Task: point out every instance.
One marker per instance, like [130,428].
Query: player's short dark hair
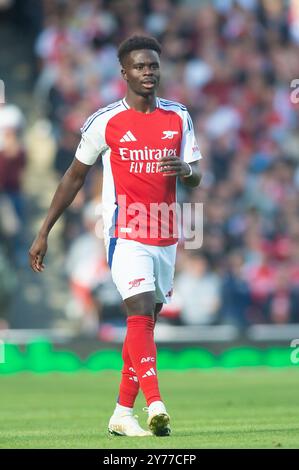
[134,43]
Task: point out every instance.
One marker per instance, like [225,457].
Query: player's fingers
[40,268]
[32,257]
[39,259]
[168,157]
[169,166]
[165,160]
[34,267]
[175,167]
[38,265]
[173,170]
[171,173]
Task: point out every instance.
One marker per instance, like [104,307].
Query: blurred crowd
[12,204]
[232,64]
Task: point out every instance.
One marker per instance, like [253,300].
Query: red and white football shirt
[130,143]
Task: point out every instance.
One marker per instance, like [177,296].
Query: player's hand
[173,166]
[37,253]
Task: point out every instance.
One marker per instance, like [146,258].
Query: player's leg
[123,422]
[129,385]
[141,310]
[163,263]
[139,356]
[126,274]
[140,340]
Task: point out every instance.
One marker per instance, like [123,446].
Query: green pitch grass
[248,408]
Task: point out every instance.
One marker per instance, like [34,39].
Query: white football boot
[158,419]
[126,425]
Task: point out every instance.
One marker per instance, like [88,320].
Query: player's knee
[141,304]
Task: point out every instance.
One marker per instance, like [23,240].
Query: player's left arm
[193,177]
[189,173]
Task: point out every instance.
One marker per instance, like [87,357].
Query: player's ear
[124,74]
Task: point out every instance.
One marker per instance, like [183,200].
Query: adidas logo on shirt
[149,373]
[128,137]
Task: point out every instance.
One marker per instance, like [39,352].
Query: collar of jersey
[146,114]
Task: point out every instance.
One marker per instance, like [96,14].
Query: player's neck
[143,104]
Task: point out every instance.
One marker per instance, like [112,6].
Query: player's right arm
[92,144]
[65,193]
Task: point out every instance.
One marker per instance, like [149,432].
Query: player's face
[141,71]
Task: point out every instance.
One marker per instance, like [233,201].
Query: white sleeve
[92,142]
[189,148]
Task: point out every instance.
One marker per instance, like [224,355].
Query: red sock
[129,385]
[143,354]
